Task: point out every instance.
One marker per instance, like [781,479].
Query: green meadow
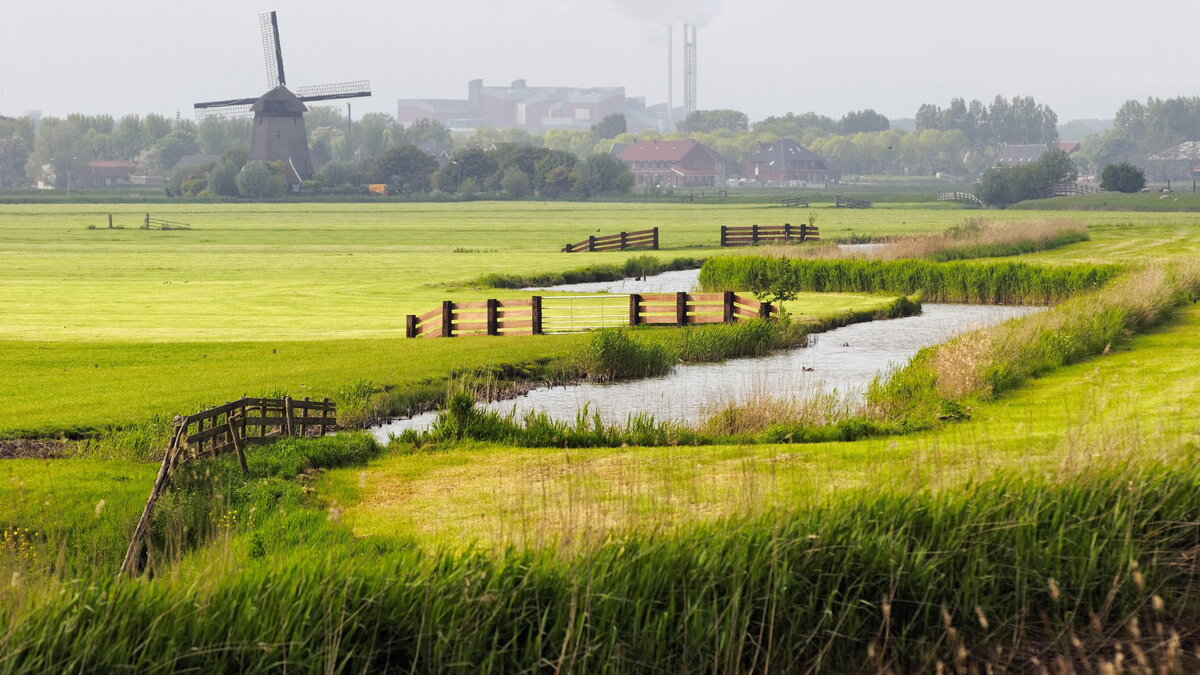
[1048,523]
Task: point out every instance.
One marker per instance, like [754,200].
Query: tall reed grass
[968,282]
[1090,572]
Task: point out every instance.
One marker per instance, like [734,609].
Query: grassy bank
[1084,567]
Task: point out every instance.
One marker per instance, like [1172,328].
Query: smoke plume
[696,12]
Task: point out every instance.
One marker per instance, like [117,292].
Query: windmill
[279,134]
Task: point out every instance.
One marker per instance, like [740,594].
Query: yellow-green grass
[326,271]
[60,386]
[1136,402]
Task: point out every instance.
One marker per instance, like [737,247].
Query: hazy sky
[760,56]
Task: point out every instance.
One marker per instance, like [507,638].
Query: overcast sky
[760,56]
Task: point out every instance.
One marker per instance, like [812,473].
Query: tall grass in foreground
[1092,572]
[1008,283]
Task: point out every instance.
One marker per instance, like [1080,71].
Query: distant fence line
[573,313]
[647,239]
[221,430]
[750,235]
[851,203]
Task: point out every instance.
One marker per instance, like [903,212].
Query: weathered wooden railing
[647,239]
[960,197]
[851,203]
[576,313]
[227,428]
[795,201]
[750,235]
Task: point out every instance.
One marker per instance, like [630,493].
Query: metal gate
[579,313]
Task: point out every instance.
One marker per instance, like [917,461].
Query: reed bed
[974,238]
[1008,283]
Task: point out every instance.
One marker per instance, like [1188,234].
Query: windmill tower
[279,134]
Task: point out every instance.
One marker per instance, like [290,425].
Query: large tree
[14,153]
[403,166]
[603,176]
[707,121]
[863,121]
[610,127]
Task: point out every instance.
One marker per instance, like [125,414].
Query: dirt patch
[33,448]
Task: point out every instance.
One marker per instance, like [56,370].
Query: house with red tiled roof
[679,163]
[102,174]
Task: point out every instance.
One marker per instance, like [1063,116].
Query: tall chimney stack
[689,69]
[670,77]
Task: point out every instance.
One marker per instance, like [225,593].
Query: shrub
[1123,177]
[612,354]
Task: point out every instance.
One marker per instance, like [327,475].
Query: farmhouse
[681,163]
[787,162]
[1181,162]
[1018,154]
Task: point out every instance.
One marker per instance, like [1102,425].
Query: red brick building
[684,163]
[787,162]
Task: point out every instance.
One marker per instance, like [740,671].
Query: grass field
[476,553]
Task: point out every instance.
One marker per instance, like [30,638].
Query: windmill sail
[325,92]
[271,52]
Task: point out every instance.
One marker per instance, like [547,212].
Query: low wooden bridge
[542,315]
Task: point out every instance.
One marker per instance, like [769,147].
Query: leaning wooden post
[535,314]
[764,310]
[635,301]
[624,240]
[729,300]
[591,243]
[493,321]
[410,326]
[681,308]
[654,241]
[131,564]
[237,446]
[724,235]
[447,318]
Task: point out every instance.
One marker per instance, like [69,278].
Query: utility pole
[349,128]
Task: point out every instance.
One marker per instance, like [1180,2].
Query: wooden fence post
[624,240]
[410,326]
[493,321]
[754,234]
[447,318]
[681,308]
[110,221]
[567,248]
[287,416]
[654,243]
[724,235]
[591,243]
[729,300]
[324,413]
[787,231]
[635,301]
[535,314]
[237,446]
[764,310]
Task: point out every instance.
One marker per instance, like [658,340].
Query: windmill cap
[279,101]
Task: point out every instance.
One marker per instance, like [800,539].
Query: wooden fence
[852,203]
[227,428]
[617,242]
[1070,188]
[795,201]
[572,314]
[750,235]
[691,197]
[158,224]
